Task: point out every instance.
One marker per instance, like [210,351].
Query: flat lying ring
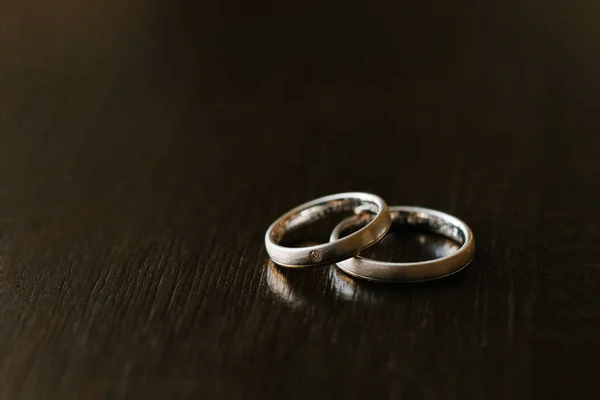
[423,218]
[334,251]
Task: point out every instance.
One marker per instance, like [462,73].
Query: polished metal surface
[422,218]
[336,250]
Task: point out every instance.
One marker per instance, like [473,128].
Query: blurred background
[146,146]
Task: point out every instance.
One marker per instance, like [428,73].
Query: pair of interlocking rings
[372,212]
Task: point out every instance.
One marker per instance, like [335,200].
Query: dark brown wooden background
[146,147]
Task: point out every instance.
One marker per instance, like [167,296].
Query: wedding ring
[422,218]
[335,250]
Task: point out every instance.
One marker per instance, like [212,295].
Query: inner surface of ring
[320,211]
[418,220]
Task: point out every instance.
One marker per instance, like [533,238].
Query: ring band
[430,220]
[335,250]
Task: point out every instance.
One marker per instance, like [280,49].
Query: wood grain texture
[146,147]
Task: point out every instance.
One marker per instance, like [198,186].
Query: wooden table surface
[146,147]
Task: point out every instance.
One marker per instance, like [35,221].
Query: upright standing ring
[430,220]
[334,251]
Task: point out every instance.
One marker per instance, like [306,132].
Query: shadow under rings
[299,288]
[302,287]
